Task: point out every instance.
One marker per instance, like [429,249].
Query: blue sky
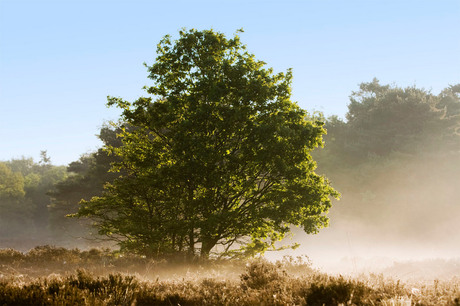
[59,60]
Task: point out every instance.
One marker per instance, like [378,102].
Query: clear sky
[59,60]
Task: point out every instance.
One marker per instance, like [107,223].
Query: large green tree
[217,157]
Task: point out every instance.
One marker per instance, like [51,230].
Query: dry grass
[56,276]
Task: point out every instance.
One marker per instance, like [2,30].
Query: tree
[15,214]
[86,179]
[401,146]
[44,158]
[383,120]
[38,180]
[218,156]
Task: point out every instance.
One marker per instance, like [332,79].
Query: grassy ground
[56,276]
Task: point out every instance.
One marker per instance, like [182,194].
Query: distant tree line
[24,199]
[395,158]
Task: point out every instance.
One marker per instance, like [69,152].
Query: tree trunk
[191,250]
[206,247]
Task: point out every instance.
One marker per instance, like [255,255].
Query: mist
[407,211]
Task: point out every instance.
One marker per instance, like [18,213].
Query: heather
[57,276]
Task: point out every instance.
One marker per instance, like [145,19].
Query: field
[57,276]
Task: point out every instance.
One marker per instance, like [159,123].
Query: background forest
[394,158]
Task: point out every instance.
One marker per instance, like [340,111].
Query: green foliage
[15,211]
[218,157]
[383,120]
[395,159]
[24,196]
[86,179]
[11,183]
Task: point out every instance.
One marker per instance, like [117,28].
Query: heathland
[57,276]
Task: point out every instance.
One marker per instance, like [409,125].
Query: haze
[59,60]
[412,214]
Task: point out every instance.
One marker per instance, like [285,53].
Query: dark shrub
[260,273]
[338,291]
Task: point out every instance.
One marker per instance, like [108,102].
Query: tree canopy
[86,178]
[217,158]
[383,120]
[395,159]
[24,198]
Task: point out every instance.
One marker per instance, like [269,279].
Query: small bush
[260,273]
[10,256]
[338,291]
[57,255]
